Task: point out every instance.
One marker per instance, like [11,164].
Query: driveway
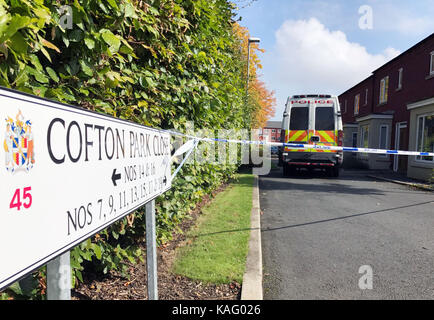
[318,233]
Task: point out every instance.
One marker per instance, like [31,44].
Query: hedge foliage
[160,63]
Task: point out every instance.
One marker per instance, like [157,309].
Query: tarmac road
[318,231]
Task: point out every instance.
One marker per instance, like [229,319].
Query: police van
[311,119]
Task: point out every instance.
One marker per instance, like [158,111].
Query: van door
[325,127]
[298,132]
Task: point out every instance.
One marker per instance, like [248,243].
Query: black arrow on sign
[115,177]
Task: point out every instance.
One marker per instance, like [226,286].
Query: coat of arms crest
[18,144]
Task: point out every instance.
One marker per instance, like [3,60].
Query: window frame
[384,90]
[366,96]
[419,158]
[356,134]
[431,67]
[362,136]
[386,146]
[364,131]
[357,105]
[400,71]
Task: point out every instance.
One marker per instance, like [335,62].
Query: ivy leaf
[130,11]
[113,41]
[113,4]
[16,288]
[79,275]
[52,74]
[86,69]
[18,44]
[97,250]
[90,43]
[76,35]
[21,79]
[48,44]
[46,54]
[17,22]
[4,19]
[65,41]
[39,76]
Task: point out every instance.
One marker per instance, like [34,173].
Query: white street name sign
[67,173]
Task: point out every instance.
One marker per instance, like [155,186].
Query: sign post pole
[151,251]
[59,278]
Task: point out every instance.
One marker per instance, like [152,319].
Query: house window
[366,96]
[356,104]
[399,79]
[384,86]
[431,68]
[425,136]
[274,130]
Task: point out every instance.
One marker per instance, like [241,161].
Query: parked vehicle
[312,119]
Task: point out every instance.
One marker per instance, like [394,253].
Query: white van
[312,119]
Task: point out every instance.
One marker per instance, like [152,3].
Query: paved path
[318,231]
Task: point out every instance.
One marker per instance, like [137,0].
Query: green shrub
[160,63]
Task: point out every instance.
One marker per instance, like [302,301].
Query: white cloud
[409,19]
[313,59]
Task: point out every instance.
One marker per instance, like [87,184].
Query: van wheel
[280,162]
[335,172]
[287,170]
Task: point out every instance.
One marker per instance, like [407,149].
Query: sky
[317,46]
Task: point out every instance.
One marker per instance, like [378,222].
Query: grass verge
[216,247]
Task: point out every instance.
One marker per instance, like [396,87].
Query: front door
[401,143]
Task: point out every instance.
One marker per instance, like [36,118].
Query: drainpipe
[372,93]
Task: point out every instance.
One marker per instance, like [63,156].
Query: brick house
[271,131]
[394,109]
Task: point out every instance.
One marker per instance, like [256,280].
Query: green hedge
[160,63]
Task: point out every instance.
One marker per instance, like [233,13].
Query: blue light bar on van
[312,96]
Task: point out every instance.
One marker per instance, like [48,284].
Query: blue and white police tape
[309,146]
[359,150]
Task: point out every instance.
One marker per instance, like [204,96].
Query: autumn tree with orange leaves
[260,100]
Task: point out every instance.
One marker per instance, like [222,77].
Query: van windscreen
[324,118]
[299,118]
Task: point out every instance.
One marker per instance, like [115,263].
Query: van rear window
[324,118]
[299,118]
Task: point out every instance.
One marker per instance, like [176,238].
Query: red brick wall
[416,85]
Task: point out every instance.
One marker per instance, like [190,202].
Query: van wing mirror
[339,114]
[285,114]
